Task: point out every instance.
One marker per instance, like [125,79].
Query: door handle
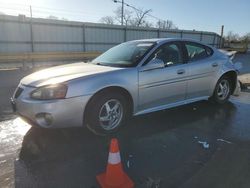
[181,71]
[215,65]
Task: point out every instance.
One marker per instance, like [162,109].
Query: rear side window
[197,51]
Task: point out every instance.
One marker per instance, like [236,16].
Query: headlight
[50,92]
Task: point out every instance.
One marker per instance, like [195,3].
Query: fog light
[44,119]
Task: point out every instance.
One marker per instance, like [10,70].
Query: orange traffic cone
[114,177]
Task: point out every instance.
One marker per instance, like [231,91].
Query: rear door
[202,69]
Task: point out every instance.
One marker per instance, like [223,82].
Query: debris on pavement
[128,164]
[153,183]
[222,140]
[204,144]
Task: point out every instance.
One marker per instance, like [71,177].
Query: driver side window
[169,53]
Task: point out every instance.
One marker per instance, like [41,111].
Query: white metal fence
[21,34]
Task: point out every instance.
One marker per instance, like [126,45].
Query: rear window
[197,51]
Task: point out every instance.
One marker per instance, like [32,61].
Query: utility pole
[31,31]
[122,12]
[30,12]
[122,2]
[221,36]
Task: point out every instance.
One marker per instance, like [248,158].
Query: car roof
[163,40]
[154,40]
[158,40]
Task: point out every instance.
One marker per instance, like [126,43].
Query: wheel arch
[117,89]
[232,75]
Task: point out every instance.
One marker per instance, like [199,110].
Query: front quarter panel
[126,78]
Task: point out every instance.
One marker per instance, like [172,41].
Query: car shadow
[78,155]
[50,140]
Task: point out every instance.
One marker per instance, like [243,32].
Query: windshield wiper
[100,63]
[111,64]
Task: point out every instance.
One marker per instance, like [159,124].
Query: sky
[200,15]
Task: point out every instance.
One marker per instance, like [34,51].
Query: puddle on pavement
[11,135]
[44,147]
[10,128]
[20,126]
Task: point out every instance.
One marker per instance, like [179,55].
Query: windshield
[126,54]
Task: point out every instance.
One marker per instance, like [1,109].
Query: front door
[166,85]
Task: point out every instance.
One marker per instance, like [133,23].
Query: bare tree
[64,19]
[246,37]
[163,24]
[246,40]
[52,17]
[148,24]
[231,36]
[140,19]
[137,18]
[127,15]
[107,20]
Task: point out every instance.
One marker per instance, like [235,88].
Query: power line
[52,9]
[49,11]
[26,6]
[13,9]
[40,11]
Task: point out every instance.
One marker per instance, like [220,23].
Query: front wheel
[222,91]
[106,113]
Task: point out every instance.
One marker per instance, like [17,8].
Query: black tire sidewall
[94,109]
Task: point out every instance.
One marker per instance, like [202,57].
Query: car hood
[64,73]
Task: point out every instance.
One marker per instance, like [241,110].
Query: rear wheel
[222,91]
[106,113]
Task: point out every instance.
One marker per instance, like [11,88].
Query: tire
[106,113]
[222,91]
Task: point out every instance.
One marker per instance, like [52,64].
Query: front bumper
[64,112]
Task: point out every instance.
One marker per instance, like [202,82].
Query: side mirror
[154,64]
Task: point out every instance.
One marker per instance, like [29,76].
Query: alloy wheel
[111,114]
[223,89]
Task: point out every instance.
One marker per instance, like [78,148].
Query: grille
[18,92]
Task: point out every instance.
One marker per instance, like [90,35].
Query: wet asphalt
[162,149]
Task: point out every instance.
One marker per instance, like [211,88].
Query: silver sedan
[133,78]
